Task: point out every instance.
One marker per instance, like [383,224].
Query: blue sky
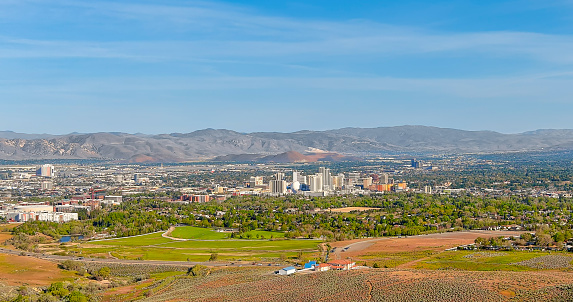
[179,66]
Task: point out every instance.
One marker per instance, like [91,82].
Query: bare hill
[212,143]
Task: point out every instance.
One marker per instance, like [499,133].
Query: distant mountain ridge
[212,143]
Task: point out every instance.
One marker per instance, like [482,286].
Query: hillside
[213,143]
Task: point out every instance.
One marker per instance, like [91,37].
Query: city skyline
[179,66]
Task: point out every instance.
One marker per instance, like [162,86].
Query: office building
[315,183]
[278,186]
[45,171]
[297,176]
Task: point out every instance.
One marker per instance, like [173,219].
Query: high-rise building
[415,163]
[279,176]
[384,178]
[45,171]
[256,181]
[338,181]
[315,183]
[297,176]
[278,186]
[326,178]
[367,182]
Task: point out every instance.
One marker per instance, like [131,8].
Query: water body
[69,238]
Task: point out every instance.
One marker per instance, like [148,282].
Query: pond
[69,238]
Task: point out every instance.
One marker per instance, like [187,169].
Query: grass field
[189,232]
[155,247]
[149,239]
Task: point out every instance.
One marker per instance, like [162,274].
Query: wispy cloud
[551,88]
[221,32]
[550,48]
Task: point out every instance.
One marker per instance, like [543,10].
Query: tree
[544,240]
[480,242]
[57,289]
[527,237]
[214,257]
[77,296]
[104,272]
[198,271]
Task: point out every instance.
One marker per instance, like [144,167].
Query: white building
[45,171]
[297,176]
[287,271]
[115,200]
[326,178]
[41,216]
[315,183]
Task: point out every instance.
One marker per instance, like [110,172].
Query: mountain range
[220,144]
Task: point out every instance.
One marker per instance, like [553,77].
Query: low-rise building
[287,271]
[342,264]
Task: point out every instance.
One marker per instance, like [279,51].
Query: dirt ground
[19,270]
[350,209]
[433,242]
[5,231]
[4,237]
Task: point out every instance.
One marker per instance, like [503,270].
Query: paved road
[123,261]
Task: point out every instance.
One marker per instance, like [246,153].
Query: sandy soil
[350,209]
[18,270]
[434,242]
[4,237]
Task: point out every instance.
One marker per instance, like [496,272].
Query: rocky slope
[211,143]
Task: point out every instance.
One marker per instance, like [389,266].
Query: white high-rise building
[384,178]
[326,178]
[315,183]
[297,176]
[45,171]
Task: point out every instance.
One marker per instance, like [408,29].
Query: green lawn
[270,245]
[190,232]
[264,234]
[149,239]
[155,247]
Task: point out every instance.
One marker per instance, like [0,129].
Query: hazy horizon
[258,131]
